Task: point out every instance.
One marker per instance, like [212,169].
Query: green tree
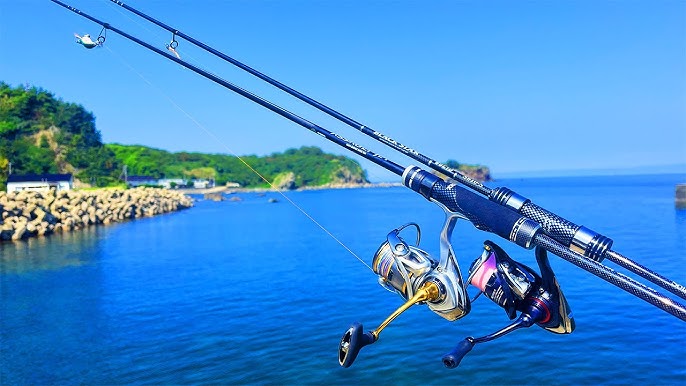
[30,118]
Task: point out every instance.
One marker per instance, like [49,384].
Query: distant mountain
[637,170]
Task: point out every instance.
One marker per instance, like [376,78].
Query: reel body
[404,268]
[411,273]
[516,287]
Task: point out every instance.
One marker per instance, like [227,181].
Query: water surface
[253,292]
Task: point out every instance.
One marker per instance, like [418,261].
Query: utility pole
[125,174]
[10,172]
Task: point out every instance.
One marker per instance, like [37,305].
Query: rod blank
[545,241]
[589,243]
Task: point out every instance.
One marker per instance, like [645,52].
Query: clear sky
[519,86]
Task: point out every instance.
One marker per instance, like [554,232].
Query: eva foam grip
[483,213]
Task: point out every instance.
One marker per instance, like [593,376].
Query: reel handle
[454,357]
[355,338]
[352,342]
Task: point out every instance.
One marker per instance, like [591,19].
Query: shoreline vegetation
[229,190]
[41,134]
[29,213]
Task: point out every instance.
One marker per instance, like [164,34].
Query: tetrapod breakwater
[28,214]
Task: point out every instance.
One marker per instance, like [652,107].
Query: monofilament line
[220,142]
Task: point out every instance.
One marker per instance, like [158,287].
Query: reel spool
[516,287]
[401,266]
[411,273]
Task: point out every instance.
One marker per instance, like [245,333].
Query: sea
[256,292]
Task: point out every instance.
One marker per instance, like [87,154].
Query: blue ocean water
[253,292]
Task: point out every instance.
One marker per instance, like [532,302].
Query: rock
[6,231]
[10,206]
[285,181]
[345,176]
[50,218]
[214,196]
[38,213]
[41,231]
[26,214]
[19,233]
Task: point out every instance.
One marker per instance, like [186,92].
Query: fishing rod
[581,239]
[419,278]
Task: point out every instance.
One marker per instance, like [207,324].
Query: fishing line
[496,214]
[587,242]
[187,56]
[226,147]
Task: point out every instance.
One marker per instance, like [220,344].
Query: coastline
[227,190]
[27,214]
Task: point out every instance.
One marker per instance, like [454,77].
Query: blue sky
[519,86]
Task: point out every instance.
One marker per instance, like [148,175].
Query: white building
[168,182]
[133,181]
[39,182]
[203,184]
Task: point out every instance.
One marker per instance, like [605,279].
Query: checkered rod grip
[557,227]
[578,238]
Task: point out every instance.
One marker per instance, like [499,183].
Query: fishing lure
[86,41]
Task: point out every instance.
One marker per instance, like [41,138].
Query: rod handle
[454,357]
[483,213]
[577,237]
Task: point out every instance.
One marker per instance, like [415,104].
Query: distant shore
[223,189]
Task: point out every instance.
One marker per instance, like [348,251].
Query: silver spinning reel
[410,272]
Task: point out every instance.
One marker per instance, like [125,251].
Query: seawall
[28,214]
[680,196]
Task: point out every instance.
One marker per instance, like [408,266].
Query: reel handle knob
[352,342]
[454,357]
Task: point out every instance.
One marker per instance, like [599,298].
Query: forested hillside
[307,166]
[42,134]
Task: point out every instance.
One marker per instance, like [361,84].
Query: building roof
[38,177]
